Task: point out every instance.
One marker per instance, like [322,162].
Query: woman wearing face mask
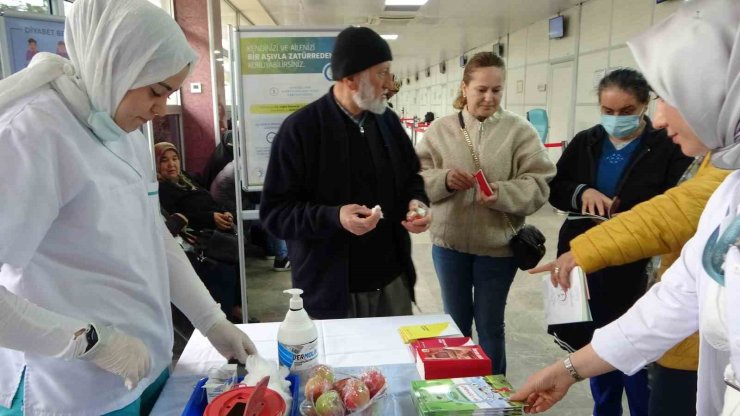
[610,167]
[88,269]
[700,108]
[471,232]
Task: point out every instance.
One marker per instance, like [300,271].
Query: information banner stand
[275,71]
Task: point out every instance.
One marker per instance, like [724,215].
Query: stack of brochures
[488,395]
[434,330]
[564,307]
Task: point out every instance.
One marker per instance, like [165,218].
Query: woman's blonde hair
[479,60]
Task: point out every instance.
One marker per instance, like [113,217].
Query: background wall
[559,75]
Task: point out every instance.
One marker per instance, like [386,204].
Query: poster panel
[25,34]
[281,71]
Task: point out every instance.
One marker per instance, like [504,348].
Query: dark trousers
[221,280]
[672,392]
[607,391]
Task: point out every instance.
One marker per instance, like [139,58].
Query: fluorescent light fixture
[405,2]
[392,36]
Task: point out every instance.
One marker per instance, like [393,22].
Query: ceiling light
[405,2]
[390,37]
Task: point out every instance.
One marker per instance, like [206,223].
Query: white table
[344,343]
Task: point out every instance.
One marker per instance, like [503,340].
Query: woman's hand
[224,220]
[559,270]
[487,200]
[458,180]
[544,388]
[595,203]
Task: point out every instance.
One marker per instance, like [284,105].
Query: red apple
[355,394]
[316,386]
[324,371]
[339,384]
[374,380]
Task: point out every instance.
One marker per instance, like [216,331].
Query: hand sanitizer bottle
[298,340]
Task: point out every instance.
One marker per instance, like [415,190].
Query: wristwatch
[91,335]
[571,370]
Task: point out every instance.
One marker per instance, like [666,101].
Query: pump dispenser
[298,340]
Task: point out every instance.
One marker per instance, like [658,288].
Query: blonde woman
[471,231]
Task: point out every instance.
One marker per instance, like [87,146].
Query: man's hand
[458,180]
[358,219]
[419,217]
[595,203]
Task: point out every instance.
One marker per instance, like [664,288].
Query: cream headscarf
[692,60]
[114,46]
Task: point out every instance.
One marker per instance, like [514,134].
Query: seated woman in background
[179,194]
[613,166]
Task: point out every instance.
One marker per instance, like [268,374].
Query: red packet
[450,362]
[483,183]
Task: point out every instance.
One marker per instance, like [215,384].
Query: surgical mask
[620,126]
[104,127]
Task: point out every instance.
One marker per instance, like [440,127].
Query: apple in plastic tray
[348,395]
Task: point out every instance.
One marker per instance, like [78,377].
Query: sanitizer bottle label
[298,357]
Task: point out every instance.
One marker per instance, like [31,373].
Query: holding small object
[473,229]
[418,218]
[376,209]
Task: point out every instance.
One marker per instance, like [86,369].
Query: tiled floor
[528,346]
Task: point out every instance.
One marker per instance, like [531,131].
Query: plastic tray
[198,400]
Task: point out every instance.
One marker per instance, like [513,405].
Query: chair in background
[538,118]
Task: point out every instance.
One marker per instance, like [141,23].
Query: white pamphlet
[563,307]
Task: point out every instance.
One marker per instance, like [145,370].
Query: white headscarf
[114,46]
[692,60]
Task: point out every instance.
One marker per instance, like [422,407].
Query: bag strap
[476,160]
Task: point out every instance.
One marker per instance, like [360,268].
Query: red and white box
[438,342]
[451,361]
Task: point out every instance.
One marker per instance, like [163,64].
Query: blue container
[198,400]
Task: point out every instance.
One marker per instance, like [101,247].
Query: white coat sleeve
[665,315]
[27,327]
[187,291]
[33,186]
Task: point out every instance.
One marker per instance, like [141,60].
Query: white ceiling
[440,30]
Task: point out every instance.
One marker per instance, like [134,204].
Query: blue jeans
[141,406]
[277,246]
[607,391]
[476,287]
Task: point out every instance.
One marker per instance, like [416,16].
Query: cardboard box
[438,342]
[452,362]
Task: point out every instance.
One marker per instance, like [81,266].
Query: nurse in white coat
[88,269]
[692,61]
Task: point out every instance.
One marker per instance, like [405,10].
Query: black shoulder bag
[527,244]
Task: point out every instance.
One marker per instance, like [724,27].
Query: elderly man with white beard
[343,189]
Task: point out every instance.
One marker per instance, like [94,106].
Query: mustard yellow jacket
[661,225]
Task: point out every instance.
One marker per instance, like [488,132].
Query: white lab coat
[670,311]
[82,237]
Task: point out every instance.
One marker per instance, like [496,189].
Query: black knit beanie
[356,49]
